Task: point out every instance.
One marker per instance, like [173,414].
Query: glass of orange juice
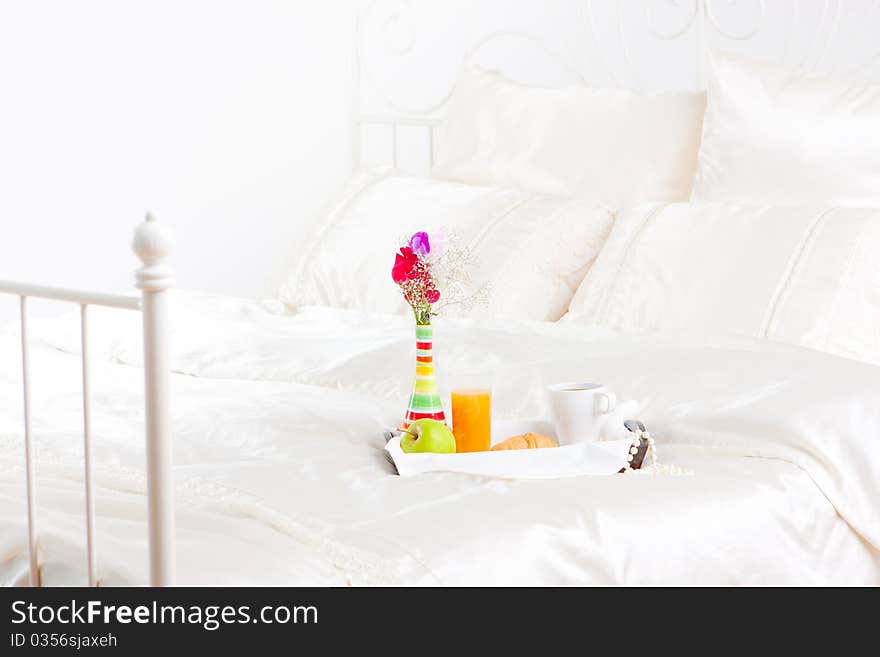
[472,419]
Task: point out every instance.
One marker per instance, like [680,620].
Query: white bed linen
[612,147]
[282,478]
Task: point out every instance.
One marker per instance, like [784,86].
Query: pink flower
[404,264]
[432,295]
[419,243]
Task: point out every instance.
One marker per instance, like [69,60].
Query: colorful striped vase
[424,400]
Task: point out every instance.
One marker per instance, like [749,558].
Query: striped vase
[424,400]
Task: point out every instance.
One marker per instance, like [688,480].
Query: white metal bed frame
[152,246]
[617,43]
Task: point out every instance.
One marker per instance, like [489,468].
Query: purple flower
[419,243]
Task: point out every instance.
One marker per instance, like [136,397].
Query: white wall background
[231,120]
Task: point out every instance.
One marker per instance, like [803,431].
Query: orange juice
[472,420]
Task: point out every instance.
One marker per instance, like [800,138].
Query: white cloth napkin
[599,458]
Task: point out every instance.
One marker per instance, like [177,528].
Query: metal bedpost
[152,245]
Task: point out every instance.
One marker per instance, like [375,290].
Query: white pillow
[782,138]
[804,276]
[530,252]
[610,146]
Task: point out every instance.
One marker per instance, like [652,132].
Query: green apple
[428,436]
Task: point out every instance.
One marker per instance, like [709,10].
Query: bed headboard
[409,51]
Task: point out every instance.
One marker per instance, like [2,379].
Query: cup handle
[605,402]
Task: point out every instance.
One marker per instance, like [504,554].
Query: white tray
[599,458]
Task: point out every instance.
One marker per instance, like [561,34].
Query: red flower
[404,263]
[432,295]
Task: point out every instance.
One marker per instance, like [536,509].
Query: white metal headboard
[410,51]
[152,246]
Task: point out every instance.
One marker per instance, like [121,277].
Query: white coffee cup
[579,410]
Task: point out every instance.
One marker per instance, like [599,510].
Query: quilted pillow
[806,276]
[529,251]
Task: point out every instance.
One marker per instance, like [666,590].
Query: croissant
[526,441]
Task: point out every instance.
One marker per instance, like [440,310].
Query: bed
[281,477]
[760,384]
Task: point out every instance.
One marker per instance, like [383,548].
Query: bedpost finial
[152,245]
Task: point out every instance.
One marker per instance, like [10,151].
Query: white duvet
[282,478]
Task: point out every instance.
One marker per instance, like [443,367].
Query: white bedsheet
[282,477]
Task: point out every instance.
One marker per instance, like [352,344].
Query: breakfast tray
[595,458]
